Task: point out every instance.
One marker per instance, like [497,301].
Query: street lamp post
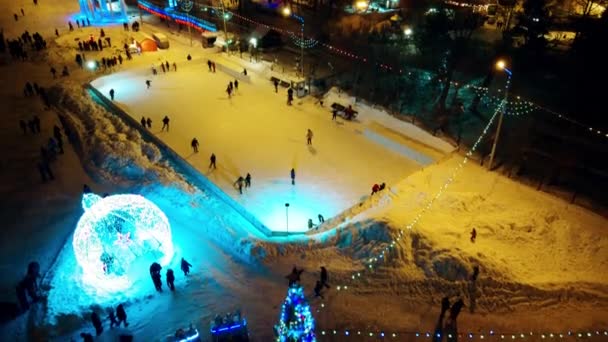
[287,216]
[501,65]
[287,12]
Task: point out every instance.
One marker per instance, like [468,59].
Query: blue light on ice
[117,237]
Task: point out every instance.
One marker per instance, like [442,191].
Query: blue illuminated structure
[172,13]
[296,323]
[117,237]
[103,10]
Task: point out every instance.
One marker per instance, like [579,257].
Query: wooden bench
[341,111]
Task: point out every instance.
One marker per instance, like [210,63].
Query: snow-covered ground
[542,261]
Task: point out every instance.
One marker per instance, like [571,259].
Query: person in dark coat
[209,64]
[96,323]
[185,266]
[86,337]
[121,315]
[375,188]
[473,235]
[143,121]
[194,145]
[156,278]
[165,123]
[239,184]
[149,122]
[170,279]
[455,309]
[112,94]
[112,318]
[324,277]
[321,218]
[248,180]
[276,86]
[293,176]
[212,161]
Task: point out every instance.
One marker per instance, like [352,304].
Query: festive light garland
[489,335]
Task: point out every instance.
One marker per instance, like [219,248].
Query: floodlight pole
[500,118]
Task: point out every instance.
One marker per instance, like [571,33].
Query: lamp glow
[116,237]
[408,32]
[91,65]
[286,11]
[501,65]
[361,5]
[253,42]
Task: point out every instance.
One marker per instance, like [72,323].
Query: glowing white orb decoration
[119,236]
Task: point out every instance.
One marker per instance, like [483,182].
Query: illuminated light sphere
[91,65]
[286,11]
[501,65]
[117,237]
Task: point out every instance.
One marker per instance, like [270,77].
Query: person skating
[212,161]
[185,265]
[248,180]
[170,279]
[86,337]
[16,17]
[189,58]
[382,186]
[317,289]
[194,145]
[56,32]
[321,218]
[174,66]
[334,114]
[293,176]
[121,315]
[143,121]
[162,67]
[229,91]
[165,124]
[209,64]
[375,188]
[149,122]
[70,26]
[112,94]
[309,137]
[148,84]
[276,86]
[245,71]
[473,235]
[231,86]
[112,318]
[236,85]
[167,66]
[324,277]
[96,323]
[239,184]
[213,66]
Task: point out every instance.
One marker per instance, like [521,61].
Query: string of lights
[490,335]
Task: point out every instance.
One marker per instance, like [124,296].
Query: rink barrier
[236,74]
[178,163]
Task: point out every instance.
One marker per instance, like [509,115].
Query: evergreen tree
[296,323]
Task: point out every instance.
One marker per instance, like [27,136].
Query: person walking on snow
[96,323]
[112,318]
[293,176]
[294,276]
[229,90]
[185,266]
[143,121]
[276,86]
[212,161]
[209,64]
[170,279]
[149,122]
[148,84]
[194,145]
[309,137]
[239,184]
[473,235]
[248,180]
[375,188]
[121,315]
[324,277]
[165,124]
[236,85]
[174,66]
[112,94]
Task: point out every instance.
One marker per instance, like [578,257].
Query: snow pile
[108,145]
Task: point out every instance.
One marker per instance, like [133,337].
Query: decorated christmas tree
[296,323]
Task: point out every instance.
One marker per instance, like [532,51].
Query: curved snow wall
[178,163]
